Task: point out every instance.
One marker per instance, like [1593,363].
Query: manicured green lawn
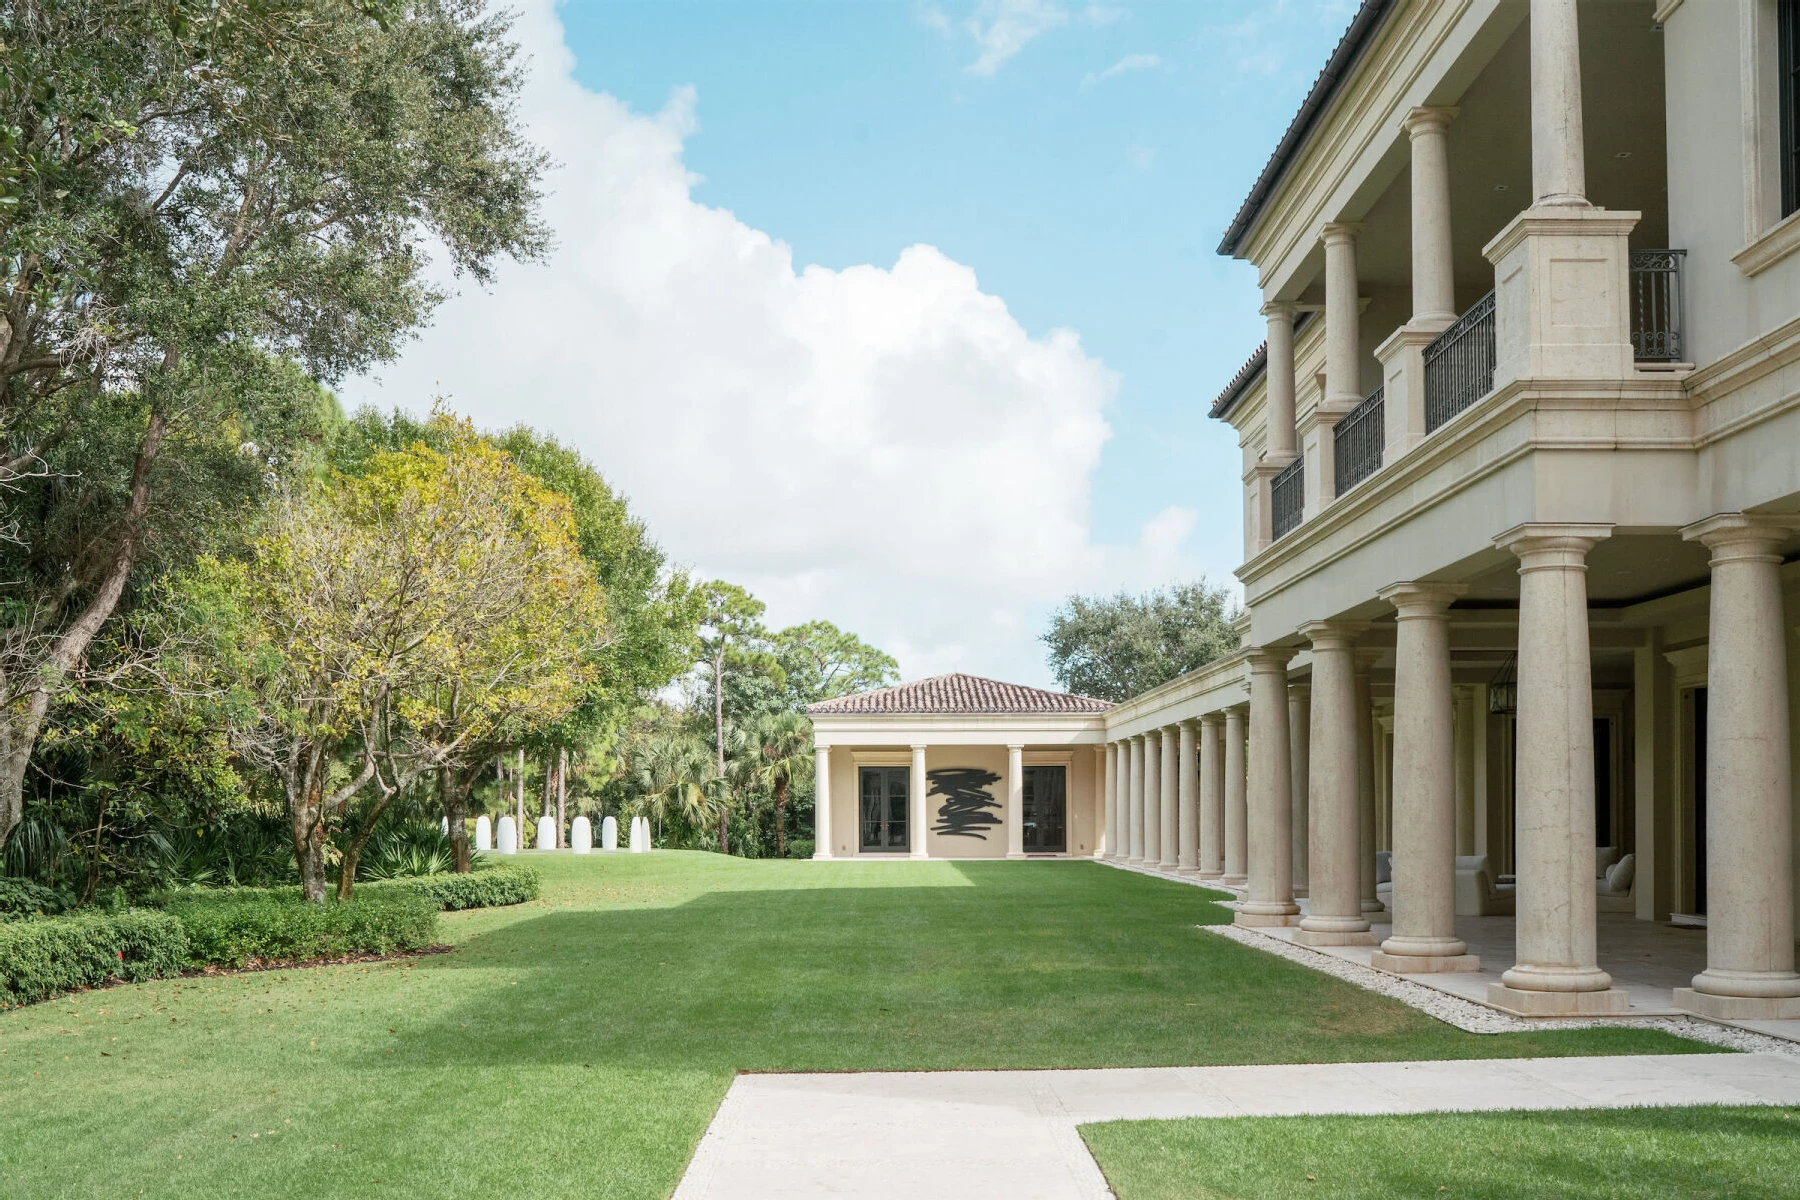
[1701,1153]
[579,1045]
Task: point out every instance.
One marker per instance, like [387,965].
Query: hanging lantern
[1503,692]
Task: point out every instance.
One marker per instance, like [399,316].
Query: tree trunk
[780,829]
[309,845]
[454,792]
[519,799]
[19,729]
[562,794]
[353,852]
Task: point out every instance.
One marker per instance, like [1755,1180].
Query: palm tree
[672,776]
[784,742]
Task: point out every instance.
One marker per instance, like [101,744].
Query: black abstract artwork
[969,809]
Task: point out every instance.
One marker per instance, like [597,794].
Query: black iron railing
[1287,497]
[1656,305]
[1459,364]
[1359,437]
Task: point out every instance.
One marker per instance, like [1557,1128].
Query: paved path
[1005,1134]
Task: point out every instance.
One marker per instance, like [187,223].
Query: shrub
[23,898]
[484,887]
[237,928]
[47,956]
[407,848]
[800,848]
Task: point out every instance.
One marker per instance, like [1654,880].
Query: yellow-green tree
[404,621]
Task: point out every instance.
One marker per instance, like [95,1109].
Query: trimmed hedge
[23,898]
[232,930]
[484,887]
[44,957]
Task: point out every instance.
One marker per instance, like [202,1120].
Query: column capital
[921,746]
[1334,232]
[1279,308]
[1300,687]
[1333,635]
[1367,658]
[1424,119]
[1421,599]
[1020,746]
[1736,537]
[1216,717]
[1270,658]
[1549,546]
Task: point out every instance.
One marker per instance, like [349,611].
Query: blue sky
[1075,163]
[853,128]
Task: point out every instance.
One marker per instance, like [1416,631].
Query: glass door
[883,807]
[1045,806]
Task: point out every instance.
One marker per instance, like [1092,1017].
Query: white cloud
[1002,28]
[883,447]
[1131,62]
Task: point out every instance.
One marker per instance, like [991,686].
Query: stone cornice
[1517,399]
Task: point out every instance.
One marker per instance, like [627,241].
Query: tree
[415,618]
[821,662]
[784,746]
[1116,647]
[672,774]
[731,635]
[188,188]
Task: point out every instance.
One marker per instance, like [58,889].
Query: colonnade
[1229,777]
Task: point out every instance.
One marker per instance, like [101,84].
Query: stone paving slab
[1001,1135]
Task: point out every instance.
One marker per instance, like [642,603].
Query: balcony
[1287,498]
[1358,440]
[1656,305]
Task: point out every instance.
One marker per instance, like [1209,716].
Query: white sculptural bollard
[640,835]
[546,834]
[484,833]
[609,833]
[508,836]
[581,835]
[445,822]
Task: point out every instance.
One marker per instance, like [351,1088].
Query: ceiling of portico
[1490,153]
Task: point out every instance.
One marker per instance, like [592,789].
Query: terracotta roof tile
[959,694]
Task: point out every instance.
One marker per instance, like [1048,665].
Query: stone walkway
[1005,1134]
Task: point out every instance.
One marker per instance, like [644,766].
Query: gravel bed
[1478,1018]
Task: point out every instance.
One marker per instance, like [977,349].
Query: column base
[1134,860]
[1208,874]
[1230,880]
[919,854]
[1737,1008]
[1166,865]
[1301,892]
[818,857]
[1265,920]
[1425,964]
[1372,906]
[1334,937]
[1015,854]
[1519,1002]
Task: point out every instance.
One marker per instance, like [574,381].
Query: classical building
[1521,470]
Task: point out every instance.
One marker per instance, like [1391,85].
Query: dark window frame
[882,826]
[1787,38]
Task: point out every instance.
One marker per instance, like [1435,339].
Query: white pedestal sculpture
[640,835]
[444,822]
[581,835]
[508,837]
[484,833]
[546,834]
[609,833]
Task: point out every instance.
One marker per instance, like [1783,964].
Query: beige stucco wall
[1082,791]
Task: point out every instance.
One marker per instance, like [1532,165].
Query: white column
[1365,784]
[1433,274]
[1153,798]
[1171,819]
[1107,839]
[821,801]
[1137,801]
[916,818]
[1558,154]
[1343,373]
[1278,372]
[1237,806]
[1015,802]
[1300,771]
[1187,799]
[1749,785]
[1212,795]
[1424,822]
[1099,833]
[1269,896]
[1465,769]
[1116,803]
[1334,914]
[1556,971]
